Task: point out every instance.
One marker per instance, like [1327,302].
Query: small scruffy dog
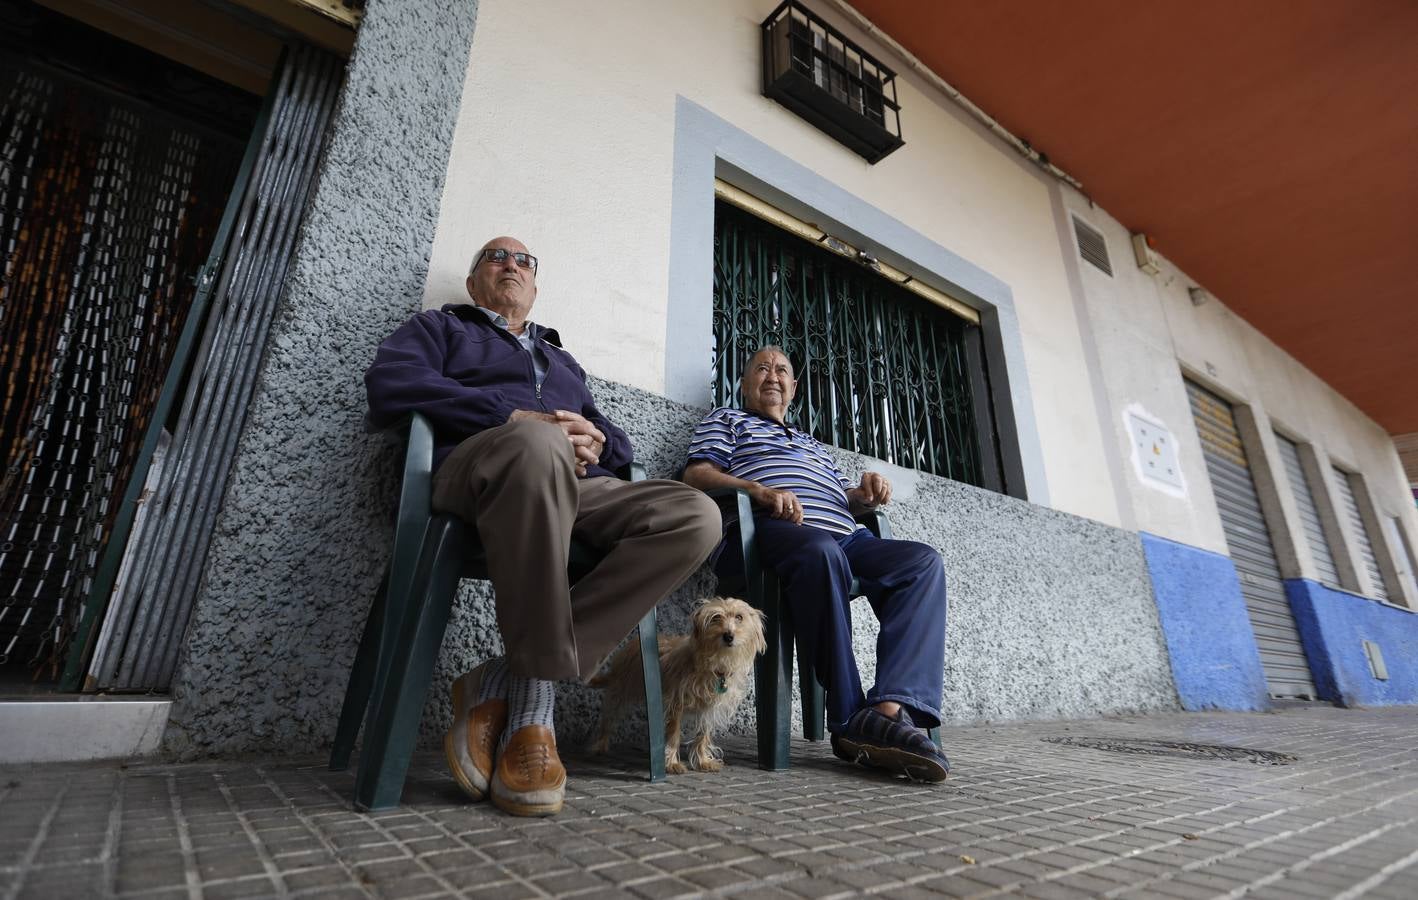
[704,674]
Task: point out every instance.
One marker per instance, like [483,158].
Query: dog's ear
[699,619]
[760,643]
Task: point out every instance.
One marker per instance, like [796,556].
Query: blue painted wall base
[1215,663]
[1333,626]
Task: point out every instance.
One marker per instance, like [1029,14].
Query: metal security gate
[883,372]
[1349,508]
[112,184]
[1287,671]
[1309,514]
[148,613]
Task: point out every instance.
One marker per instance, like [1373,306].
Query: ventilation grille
[1092,247]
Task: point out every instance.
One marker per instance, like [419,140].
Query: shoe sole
[891,759]
[513,806]
[455,744]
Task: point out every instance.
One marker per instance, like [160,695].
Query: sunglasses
[497,255]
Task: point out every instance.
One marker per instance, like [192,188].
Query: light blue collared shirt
[539,357]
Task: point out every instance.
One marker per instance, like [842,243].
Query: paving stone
[764,893]
[661,888]
[1037,819]
[818,888]
[1052,890]
[329,876]
[257,886]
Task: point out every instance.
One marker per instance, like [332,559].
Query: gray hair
[477,258]
[773,348]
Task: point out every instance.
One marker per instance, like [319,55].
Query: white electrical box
[1154,452]
[1376,660]
[1146,256]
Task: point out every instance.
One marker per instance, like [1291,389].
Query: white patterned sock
[494,682]
[530,701]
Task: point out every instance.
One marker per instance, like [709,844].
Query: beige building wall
[566,140]
[1149,331]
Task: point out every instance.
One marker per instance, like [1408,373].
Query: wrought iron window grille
[817,72]
[881,371]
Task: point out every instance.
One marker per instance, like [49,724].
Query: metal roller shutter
[1287,671]
[1309,514]
[1350,510]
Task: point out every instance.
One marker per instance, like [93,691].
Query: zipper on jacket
[532,364]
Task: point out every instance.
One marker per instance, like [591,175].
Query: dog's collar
[722,685]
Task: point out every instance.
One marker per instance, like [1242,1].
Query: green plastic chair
[394,664]
[773,671]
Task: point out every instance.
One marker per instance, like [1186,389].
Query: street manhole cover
[1179,748]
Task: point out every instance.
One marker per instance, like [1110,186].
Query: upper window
[881,371]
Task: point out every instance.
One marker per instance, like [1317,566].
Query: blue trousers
[905,584]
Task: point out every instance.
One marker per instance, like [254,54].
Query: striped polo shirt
[748,446]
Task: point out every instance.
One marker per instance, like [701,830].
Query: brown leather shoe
[470,744]
[529,779]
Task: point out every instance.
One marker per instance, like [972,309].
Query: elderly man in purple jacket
[522,453]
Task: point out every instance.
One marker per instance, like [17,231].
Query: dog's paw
[708,764]
[675,767]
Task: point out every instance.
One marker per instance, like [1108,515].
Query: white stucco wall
[1148,332]
[566,139]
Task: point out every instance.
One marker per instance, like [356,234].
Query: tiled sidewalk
[1021,815]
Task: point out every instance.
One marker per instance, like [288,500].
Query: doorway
[148,210]
[115,166]
[1282,656]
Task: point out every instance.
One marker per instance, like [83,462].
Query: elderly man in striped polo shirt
[806,533]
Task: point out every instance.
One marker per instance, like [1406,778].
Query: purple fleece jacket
[467,375]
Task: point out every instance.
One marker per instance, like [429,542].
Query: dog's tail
[623,665]
[626,662]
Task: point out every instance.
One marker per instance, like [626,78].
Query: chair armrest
[876,522]
[416,487]
[731,501]
[631,471]
[735,506]
[736,502]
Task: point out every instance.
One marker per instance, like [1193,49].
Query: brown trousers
[517,483]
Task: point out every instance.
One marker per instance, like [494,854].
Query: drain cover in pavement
[1179,748]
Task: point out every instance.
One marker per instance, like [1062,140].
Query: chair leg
[814,700]
[934,735]
[392,729]
[773,673]
[654,698]
[361,684]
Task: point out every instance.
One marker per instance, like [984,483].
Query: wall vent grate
[1092,246]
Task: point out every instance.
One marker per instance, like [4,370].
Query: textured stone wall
[1051,616]
[301,540]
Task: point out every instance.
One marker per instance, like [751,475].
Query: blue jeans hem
[919,710]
